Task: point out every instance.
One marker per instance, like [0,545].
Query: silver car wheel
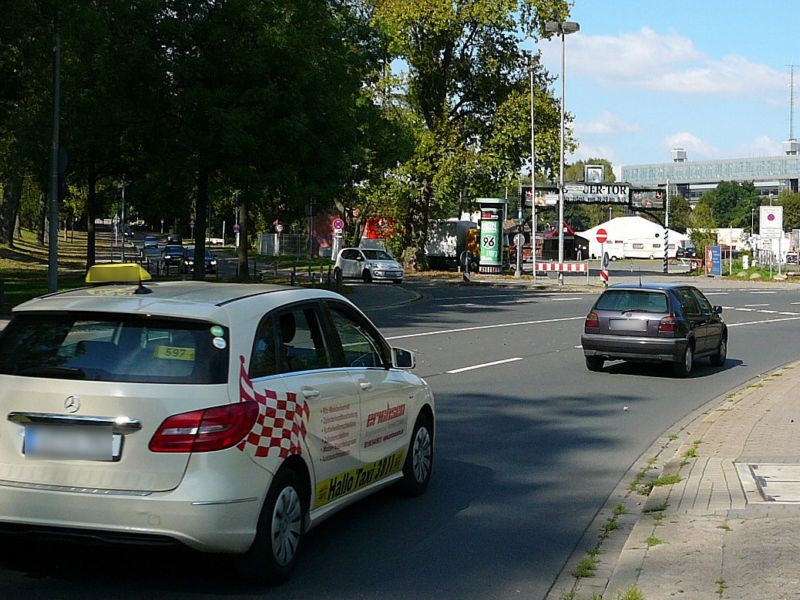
[422,454]
[286,525]
[688,358]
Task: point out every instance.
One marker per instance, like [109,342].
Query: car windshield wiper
[59,372]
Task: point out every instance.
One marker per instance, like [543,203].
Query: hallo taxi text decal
[355,479]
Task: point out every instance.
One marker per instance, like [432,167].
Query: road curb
[618,560]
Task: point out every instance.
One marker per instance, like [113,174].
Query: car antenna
[140,289]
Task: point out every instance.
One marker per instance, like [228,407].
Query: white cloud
[763,145]
[696,148]
[607,123]
[586,151]
[666,62]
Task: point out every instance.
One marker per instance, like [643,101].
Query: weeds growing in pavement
[586,568]
[653,541]
[720,587]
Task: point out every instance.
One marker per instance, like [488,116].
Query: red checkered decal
[280,423]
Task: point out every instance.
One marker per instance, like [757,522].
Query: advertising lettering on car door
[385,425]
[339,430]
[355,479]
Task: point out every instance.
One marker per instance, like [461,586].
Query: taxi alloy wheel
[287,526]
[273,554]
[419,460]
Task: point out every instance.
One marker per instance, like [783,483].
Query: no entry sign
[602,236]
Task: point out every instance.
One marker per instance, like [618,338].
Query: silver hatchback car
[368,264]
[224,417]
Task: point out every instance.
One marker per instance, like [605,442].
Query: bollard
[2,294]
[294,275]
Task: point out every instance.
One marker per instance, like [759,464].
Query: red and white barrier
[564,267]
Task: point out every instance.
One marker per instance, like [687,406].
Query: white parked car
[225,417]
[368,264]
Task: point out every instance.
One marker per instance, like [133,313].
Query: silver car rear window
[114,347]
[633,301]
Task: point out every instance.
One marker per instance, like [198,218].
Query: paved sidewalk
[730,527]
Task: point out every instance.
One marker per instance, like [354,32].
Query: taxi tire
[418,465]
[366,276]
[284,503]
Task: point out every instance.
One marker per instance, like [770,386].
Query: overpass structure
[770,175]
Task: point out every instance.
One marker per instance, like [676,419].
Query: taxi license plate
[72,443]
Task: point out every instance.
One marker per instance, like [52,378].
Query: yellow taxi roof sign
[117,273]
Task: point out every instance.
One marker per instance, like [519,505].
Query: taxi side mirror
[403,359]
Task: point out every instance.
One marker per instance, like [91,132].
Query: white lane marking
[795,303]
[769,312]
[765,321]
[479,327]
[760,292]
[716,293]
[756,304]
[564,299]
[491,364]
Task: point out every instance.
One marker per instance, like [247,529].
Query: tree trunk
[42,224]
[91,211]
[200,212]
[241,252]
[12,192]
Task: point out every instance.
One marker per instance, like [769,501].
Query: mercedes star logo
[72,404]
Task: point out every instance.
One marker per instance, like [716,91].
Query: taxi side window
[360,348]
[300,343]
[264,360]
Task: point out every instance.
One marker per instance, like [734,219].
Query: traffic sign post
[602,236]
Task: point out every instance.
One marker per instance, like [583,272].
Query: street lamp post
[533,177]
[562,28]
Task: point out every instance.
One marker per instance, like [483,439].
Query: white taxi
[225,417]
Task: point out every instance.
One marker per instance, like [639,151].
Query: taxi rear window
[111,347]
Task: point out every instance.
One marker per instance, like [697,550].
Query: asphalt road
[528,450]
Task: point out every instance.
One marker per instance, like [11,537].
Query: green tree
[703,230]
[680,213]
[467,85]
[791,209]
[730,202]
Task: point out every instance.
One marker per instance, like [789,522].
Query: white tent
[632,237]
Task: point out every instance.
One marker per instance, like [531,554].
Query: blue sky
[710,76]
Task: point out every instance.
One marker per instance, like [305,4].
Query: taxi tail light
[667,325]
[206,430]
[592,321]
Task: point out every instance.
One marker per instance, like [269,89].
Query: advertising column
[491,228]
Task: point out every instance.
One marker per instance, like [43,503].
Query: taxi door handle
[365,385]
[310,393]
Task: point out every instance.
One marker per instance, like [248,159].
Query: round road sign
[338,224]
[519,239]
[602,236]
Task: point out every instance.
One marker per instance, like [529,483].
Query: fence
[283,244]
